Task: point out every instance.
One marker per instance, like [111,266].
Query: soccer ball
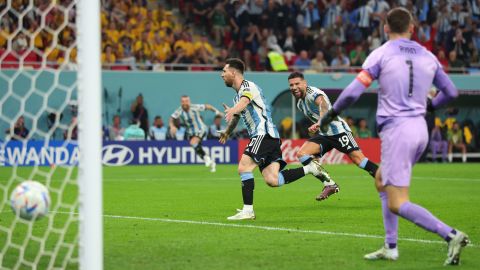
[30,200]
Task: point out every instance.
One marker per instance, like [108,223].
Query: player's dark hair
[184,96]
[236,64]
[157,117]
[399,19]
[296,74]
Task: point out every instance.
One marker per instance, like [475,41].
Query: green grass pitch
[174,217]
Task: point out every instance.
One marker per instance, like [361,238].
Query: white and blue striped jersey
[192,119]
[256,116]
[310,109]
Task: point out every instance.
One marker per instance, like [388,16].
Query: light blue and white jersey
[310,109]
[158,134]
[192,119]
[256,116]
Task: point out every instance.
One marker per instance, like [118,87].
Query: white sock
[247,208]
[450,157]
[206,159]
[310,168]
[464,158]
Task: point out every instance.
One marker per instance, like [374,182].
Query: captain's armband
[364,78]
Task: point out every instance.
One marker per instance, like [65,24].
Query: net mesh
[38,103]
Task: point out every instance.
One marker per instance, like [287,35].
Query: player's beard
[229,84]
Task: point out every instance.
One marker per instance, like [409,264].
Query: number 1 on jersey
[410,82]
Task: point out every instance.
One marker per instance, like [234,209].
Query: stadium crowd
[312,35]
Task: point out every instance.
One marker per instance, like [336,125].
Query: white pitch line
[269,228]
[111,179]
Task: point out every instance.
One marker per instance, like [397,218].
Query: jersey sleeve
[247,92]
[371,67]
[176,113]
[198,107]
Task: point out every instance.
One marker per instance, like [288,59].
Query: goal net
[49,109]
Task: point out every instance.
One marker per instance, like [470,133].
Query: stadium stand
[190,34]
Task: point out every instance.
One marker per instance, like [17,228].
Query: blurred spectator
[218,17]
[115,131]
[302,62]
[240,17]
[289,43]
[311,16]
[357,56]
[20,42]
[271,39]
[72,132]
[353,127]
[158,132]
[251,45]
[140,113]
[460,45]
[340,61]
[215,127]
[364,14]
[332,12]
[134,132]
[19,130]
[200,10]
[374,40]
[469,134]
[277,61]
[455,141]
[108,57]
[255,10]
[443,59]
[426,35]
[318,63]
[286,128]
[220,59]
[304,40]
[438,144]
[363,131]
[456,64]
[203,49]
[180,134]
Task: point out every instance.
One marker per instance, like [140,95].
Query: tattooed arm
[224,134]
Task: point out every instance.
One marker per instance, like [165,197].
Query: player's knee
[393,207]
[357,157]
[301,153]
[271,182]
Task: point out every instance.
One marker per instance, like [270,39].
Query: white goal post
[90,130]
[50,91]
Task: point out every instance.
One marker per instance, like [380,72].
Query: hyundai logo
[116,155]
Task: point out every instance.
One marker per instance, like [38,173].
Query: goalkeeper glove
[327,119]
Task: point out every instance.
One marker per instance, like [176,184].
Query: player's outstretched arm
[351,94]
[448,91]
[213,109]
[348,96]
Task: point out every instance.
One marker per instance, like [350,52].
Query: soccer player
[314,103]
[189,115]
[264,147]
[405,71]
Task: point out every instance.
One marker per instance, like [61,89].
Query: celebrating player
[189,115]
[264,147]
[314,103]
[405,71]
